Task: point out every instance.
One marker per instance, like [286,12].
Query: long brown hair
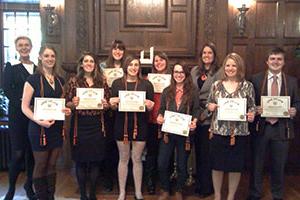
[96,73]
[116,44]
[40,67]
[188,85]
[214,64]
[163,56]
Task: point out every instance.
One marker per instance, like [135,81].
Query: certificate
[49,108]
[112,74]
[90,98]
[275,106]
[132,101]
[232,109]
[176,123]
[159,81]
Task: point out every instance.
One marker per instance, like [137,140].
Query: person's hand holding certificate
[176,123]
[159,81]
[90,98]
[112,74]
[275,106]
[232,109]
[132,101]
[49,108]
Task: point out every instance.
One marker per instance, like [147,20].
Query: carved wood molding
[82,26]
[210,20]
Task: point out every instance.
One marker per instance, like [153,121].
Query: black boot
[51,181]
[40,186]
[150,186]
[10,194]
[29,190]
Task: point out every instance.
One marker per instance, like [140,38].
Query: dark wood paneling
[163,24]
[292,20]
[266,19]
[179,2]
[112,2]
[142,13]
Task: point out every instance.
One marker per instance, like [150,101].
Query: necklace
[50,78]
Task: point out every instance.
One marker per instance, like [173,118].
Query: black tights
[83,169]
[17,159]
[45,162]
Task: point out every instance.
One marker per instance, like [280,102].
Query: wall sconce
[241,19]
[52,20]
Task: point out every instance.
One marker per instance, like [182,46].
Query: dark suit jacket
[13,82]
[292,91]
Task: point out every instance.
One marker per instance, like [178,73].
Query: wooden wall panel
[179,2]
[112,2]
[266,19]
[292,20]
[140,25]
[140,14]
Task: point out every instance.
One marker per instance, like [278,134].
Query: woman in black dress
[116,57]
[87,127]
[14,79]
[130,128]
[46,136]
[180,96]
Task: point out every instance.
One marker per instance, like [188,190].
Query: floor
[67,188]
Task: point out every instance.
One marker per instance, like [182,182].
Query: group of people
[95,135]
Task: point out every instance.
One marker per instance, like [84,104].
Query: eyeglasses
[178,72]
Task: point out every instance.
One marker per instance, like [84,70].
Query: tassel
[257,126]
[210,134]
[125,140]
[102,124]
[74,140]
[43,140]
[187,144]
[232,137]
[232,140]
[63,133]
[135,132]
[159,133]
[166,138]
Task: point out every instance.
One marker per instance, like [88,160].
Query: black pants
[152,145]
[278,150]
[203,168]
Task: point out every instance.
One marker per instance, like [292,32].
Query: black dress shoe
[204,195]
[108,186]
[151,189]
[253,198]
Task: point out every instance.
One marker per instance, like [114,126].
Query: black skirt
[226,157]
[90,144]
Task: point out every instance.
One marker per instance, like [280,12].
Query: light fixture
[52,20]
[241,19]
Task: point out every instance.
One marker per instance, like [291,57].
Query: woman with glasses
[181,96]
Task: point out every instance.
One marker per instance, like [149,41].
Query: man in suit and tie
[272,134]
